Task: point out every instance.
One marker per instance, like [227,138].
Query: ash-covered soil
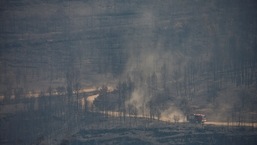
[170,134]
[96,128]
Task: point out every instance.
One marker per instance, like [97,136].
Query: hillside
[188,55]
[127,71]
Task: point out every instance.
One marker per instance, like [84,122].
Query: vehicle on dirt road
[196,118]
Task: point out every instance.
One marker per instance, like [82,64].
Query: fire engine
[196,118]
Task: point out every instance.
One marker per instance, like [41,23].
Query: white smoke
[138,99]
[171,113]
[147,56]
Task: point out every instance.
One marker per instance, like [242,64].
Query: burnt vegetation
[144,59]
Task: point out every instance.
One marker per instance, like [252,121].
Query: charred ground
[171,57]
[95,128]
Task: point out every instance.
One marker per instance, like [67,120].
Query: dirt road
[254,124]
